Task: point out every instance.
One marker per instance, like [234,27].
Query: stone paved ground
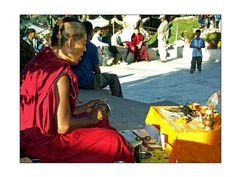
[156,83]
[150,82]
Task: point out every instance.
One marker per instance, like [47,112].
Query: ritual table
[190,142]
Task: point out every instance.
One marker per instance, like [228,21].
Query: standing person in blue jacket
[88,70]
[197,44]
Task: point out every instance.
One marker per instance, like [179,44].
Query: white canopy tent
[99,21]
[37,28]
[40,31]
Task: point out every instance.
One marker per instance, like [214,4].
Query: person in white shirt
[121,47]
[163,32]
[96,39]
[103,48]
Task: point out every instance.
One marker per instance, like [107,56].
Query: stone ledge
[125,114]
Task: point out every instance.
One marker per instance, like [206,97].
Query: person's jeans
[106,55]
[104,79]
[123,53]
[196,61]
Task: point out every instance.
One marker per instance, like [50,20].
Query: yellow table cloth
[190,142]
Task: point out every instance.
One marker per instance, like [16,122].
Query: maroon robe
[142,53]
[38,129]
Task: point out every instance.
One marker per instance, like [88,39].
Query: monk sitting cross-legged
[51,127]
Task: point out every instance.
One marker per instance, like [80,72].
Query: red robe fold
[38,131]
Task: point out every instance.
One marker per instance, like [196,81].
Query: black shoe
[191,71]
[200,70]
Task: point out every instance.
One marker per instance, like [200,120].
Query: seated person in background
[107,58]
[139,50]
[121,47]
[96,39]
[106,38]
[88,70]
[201,21]
[51,127]
[27,52]
[31,39]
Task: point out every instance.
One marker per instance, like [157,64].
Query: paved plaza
[155,83]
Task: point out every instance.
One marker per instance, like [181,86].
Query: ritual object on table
[182,114]
[171,114]
[191,110]
[190,117]
[208,120]
[203,110]
[213,100]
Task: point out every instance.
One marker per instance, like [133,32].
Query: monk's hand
[91,104]
[96,115]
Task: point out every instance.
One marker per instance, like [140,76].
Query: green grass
[183,24]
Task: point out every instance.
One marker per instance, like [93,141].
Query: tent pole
[113,27]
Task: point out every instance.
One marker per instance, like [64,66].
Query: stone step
[124,114]
[173,52]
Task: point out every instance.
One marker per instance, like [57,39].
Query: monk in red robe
[140,51]
[51,127]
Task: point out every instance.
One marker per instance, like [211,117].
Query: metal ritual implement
[138,138]
[212,100]
[144,141]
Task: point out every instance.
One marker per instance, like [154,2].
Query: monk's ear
[71,43]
